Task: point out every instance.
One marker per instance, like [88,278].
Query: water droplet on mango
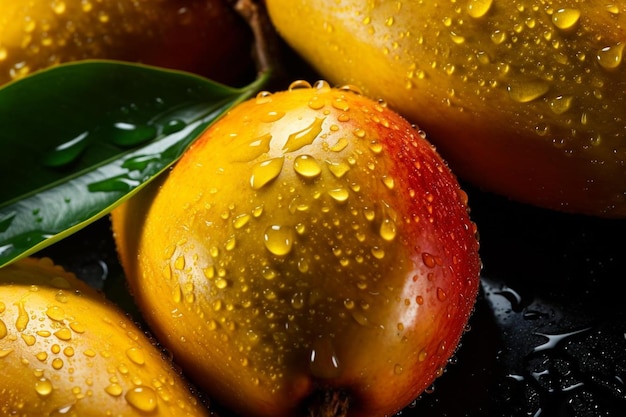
[527,91]
[265,172]
[566,18]
[323,360]
[610,57]
[304,137]
[136,355]
[478,8]
[142,398]
[279,239]
[43,387]
[307,166]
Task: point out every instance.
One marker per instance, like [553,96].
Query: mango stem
[266,43]
[329,403]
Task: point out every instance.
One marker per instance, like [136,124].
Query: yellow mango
[205,37]
[524,98]
[67,351]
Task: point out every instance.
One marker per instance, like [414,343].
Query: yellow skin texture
[309,239]
[522,97]
[192,35]
[66,351]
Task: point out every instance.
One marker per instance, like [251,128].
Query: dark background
[548,334]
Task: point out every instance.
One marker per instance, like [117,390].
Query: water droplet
[122,183]
[478,8]
[128,134]
[265,172]
[263,97]
[57,363]
[90,353]
[122,368]
[527,91]
[221,283]
[322,85]
[610,57]
[55,313]
[66,152]
[268,273]
[458,39]
[341,144]
[338,169]
[114,390]
[63,334]
[241,220]
[341,104]
[279,239]
[498,36]
[613,9]
[307,166]
[323,361]
[398,369]
[142,398]
[173,126]
[305,136]
[389,182]
[136,355]
[555,339]
[5,352]
[29,339]
[316,103]
[561,104]
[565,19]
[299,84]
[22,317]
[3,329]
[253,149]
[43,387]
[230,243]
[297,300]
[388,227]
[429,260]
[339,194]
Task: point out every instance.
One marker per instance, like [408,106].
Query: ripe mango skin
[67,351]
[310,239]
[204,37]
[524,98]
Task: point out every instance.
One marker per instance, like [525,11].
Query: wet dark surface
[547,338]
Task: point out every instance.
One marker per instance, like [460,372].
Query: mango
[65,350]
[204,37]
[310,254]
[524,98]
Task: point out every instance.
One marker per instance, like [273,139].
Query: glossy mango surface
[311,243]
[67,351]
[524,98]
[205,37]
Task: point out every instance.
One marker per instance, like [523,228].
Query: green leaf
[79,138]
